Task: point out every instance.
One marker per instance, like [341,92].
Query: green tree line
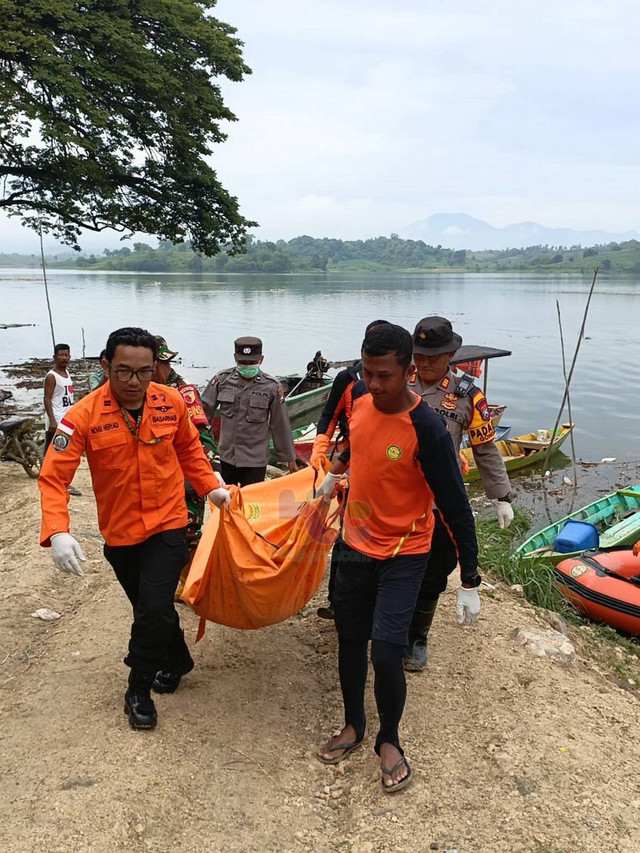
[310,254]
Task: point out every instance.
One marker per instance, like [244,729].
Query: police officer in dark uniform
[463,407]
[251,406]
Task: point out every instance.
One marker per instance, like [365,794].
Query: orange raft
[262,560]
[605,585]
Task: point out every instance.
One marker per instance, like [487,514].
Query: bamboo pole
[84,360]
[46,286]
[573,364]
[564,373]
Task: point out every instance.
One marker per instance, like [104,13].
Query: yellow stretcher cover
[262,560]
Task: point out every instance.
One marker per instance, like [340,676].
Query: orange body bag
[262,560]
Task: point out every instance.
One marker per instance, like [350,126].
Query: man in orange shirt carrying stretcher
[140,444]
[401,459]
[335,415]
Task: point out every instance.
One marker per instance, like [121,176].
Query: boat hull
[586,582]
[616,516]
[306,408]
[524,451]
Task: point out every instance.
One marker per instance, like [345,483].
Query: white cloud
[506,112]
[361,117]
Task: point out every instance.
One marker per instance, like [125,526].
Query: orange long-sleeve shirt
[400,465]
[139,488]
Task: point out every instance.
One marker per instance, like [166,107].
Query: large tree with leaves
[108,111]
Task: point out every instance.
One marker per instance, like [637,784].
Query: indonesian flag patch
[66,426]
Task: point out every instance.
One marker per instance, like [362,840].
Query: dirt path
[511,752]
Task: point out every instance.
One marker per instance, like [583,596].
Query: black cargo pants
[149,573]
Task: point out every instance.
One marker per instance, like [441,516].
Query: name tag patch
[104,428]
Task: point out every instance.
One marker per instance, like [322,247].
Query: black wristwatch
[507,498]
[473,581]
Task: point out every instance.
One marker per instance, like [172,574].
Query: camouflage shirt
[196,411]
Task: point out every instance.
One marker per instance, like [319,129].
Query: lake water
[295,315]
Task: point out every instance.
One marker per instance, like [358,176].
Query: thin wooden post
[573,364]
[564,373]
[46,286]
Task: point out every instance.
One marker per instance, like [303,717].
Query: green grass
[535,576]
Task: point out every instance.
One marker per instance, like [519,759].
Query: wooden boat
[305,398]
[522,451]
[603,585]
[616,518]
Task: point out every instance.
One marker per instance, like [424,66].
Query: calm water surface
[295,315]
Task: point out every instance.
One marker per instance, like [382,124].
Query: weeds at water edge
[535,576]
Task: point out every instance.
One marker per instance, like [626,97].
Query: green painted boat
[522,451]
[305,398]
[616,517]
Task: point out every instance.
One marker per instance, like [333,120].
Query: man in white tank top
[58,391]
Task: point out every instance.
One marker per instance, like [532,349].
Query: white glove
[220,496]
[66,552]
[328,486]
[505,514]
[467,606]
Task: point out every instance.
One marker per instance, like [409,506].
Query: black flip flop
[347,747]
[390,789]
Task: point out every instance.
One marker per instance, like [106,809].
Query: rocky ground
[511,752]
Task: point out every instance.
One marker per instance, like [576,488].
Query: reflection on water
[295,315]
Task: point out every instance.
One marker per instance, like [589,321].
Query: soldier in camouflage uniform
[166,375]
[463,406]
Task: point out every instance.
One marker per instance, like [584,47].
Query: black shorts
[374,599]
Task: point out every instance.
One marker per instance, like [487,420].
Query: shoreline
[153,274]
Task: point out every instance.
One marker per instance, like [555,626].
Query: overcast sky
[364,116]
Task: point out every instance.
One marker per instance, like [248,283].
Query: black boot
[138,703]
[166,682]
[415,654]
[180,663]
[326,611]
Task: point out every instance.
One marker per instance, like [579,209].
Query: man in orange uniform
[335,415]
[140,445]
[401,459]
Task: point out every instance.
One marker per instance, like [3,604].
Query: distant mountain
[459,231]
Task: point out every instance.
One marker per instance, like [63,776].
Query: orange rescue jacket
[139,488]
